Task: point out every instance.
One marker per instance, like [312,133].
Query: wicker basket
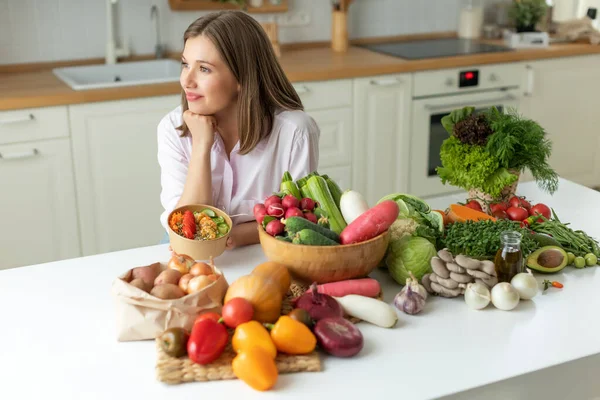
[484,198]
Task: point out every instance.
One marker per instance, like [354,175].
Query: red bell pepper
[207,341]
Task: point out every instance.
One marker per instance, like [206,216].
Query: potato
[168,276]
[167,291]
[148,273]
[140,284]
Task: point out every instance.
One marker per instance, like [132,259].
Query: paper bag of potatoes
[152,298]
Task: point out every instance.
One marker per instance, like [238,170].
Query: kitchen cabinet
[39,213]
[117,173]
[562,96]
[381,135]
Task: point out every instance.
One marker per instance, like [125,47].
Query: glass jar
[509,258]
[470,22]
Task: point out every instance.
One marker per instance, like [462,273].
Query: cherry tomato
[500,214]
[541,209]
[498,207]
[519,202]
[211,315]
[474,204]
[237,311]
[517,213]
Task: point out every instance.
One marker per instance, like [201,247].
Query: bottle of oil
[509,258]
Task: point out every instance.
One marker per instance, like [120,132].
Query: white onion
[477,296]
[525,284]
[505,296]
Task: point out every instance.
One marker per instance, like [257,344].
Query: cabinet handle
[17,156]
[529,90]
[386,82]
[451,106]
[14,120]
[301,89]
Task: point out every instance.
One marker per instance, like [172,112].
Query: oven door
[427,135]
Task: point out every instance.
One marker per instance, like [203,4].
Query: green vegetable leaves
[448,121]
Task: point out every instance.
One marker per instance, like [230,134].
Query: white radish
[368,309]
[352,204]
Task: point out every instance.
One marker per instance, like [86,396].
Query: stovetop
[434,48]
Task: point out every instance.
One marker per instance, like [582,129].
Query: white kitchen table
[58,337]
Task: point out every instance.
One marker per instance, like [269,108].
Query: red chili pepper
[207,341]
[555,284]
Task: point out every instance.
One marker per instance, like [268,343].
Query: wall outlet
[293,19]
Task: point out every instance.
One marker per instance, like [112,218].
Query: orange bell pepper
[253,334]
[291,336]
[256,368]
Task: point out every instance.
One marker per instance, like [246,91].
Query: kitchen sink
[121,74]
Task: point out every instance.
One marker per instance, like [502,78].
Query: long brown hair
[247,51]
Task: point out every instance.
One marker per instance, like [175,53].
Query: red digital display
[469,76]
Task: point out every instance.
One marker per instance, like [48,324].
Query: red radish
[338,337]
[257,207]
[319,305]
[517,213]
[259,212]
[274,199]
[368,287]
[307,204]
[541,209]
[275,210]
[274,227]
[290,201]
[371,223]
[311,217]
[293,212]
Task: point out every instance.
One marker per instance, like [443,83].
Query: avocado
[544,240]
[548,259]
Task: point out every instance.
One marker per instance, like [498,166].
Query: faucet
[112,51]
[158,48]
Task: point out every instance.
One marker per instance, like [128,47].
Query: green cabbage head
[409,254]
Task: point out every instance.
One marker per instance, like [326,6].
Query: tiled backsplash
[42,30]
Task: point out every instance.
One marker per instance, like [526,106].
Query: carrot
[367,287]
[371,223]
[460,213]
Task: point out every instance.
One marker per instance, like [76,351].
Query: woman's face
[209,85]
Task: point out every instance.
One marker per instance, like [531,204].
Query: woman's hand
[202,129]
[242,235]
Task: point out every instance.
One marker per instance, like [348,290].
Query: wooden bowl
[199,249]
[323,264]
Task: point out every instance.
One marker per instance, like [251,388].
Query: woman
[240,125]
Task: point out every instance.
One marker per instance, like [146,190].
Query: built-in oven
[436,94]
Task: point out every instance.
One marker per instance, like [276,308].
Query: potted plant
[487,151]
[527,13]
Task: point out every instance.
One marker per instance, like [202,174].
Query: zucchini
[288,186]
[311,238]
[302,181]
[320,193]
[305,192]
[334,189]
[294,225]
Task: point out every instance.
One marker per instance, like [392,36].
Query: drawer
[33,124]
[329,94]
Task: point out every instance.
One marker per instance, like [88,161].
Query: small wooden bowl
[323,264]
[199,249]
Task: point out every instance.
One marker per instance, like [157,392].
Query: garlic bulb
[409,302]
[415,286]
[477,296]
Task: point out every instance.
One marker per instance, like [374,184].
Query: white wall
[52,30]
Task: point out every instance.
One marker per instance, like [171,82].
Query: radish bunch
[279,208]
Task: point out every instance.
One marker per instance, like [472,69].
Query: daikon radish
[368,287]
[368,309]
[352,205]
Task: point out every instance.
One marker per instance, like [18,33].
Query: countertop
[59,337]
[41,88]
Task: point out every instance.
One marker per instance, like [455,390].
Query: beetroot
[290,201]
[275,210]
[293,212]
[338,337]
[307,204]
[319,305]
[311,217]
[274,227]
[274,199]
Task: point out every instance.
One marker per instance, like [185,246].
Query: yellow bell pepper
[256,368]
[253,334]
[291,336]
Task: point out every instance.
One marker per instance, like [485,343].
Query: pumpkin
[264,295]
[276,272]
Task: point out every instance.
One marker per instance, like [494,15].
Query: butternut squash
[276,272]
[458,213]
[264,294]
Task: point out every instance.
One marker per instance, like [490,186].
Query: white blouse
[242,181]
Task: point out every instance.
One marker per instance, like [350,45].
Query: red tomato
[474,204]
[211,315]
[500,214]
[541,209]
[207,341]
[517,213]
[237,311]
[519,202]
[498,207]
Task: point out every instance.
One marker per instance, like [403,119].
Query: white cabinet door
[335,141]
[562,96]
[117,172]
[39,213]
[381,138]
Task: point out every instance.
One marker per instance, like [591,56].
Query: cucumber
[209,212]
[284,238]
[311,238]
[294,225]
